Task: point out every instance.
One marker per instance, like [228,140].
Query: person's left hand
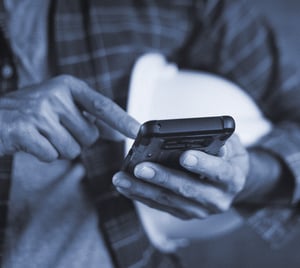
[209,187]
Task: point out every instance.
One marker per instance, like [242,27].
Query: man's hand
[209,187]
[51,120]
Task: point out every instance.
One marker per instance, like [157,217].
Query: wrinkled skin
[211,188]
[55,119]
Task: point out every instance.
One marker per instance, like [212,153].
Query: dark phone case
[163,141]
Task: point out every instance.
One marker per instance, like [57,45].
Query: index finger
[102,107]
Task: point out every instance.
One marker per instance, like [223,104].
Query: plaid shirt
[99,41]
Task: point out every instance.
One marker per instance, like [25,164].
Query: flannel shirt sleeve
[240,46]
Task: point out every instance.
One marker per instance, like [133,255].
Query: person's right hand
[48,120]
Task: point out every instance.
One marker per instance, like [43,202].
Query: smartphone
[163,141]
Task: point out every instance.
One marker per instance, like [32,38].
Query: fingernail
[121,183]
[190,160]
[144,172]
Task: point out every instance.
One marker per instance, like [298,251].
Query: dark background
[242,248]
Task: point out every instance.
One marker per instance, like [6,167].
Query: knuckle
[20,130]
[163,197]
[102,105]
[71,82]
[81,83]
[65,79]
[236,187]
[41,110]
[216,200]
[237,184]
[163,178]
[224,205]
[188,191]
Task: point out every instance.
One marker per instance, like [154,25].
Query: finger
[157,197]
[60,138]
[102,107]
[77,172]
[225,150]
[84,132]
[214,168]
[155,205]
[237,144]
[236,154]
[231,148]
[183,184]
[34,143]
[106,132]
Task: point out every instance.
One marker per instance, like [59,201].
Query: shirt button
[7,71]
